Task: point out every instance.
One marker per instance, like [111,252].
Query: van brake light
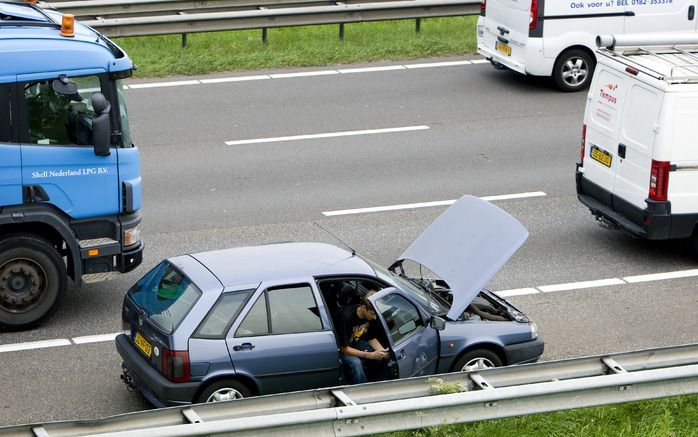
[584,141]
[483,7]
[659,181]
[534,15]
[175,365]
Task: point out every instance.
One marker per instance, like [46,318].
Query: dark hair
[367,303]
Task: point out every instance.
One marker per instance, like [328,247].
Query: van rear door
[661,16]
[505,32]
[639,126]
[602,121]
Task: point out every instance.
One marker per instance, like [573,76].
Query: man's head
[365,310]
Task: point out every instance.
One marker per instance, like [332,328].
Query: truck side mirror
[101,126]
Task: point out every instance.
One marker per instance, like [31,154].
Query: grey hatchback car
[258,320]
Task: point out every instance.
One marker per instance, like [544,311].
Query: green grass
[668,417]
[300,46]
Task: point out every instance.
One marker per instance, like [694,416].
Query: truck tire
[32,281]
[573,70]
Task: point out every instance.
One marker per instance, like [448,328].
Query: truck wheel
[32,281]
[476,359]
[573,70]
[226,390]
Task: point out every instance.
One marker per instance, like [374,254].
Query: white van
[556,37]
[638,168]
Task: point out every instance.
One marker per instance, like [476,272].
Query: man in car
[362,355]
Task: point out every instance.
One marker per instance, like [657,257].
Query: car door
[283,343]
[59,164]
[413,342]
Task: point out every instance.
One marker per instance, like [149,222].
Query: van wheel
[32,281]
[573,70]
[226,390]
[476,359]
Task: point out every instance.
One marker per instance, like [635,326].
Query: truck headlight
[132,235]
[534,330]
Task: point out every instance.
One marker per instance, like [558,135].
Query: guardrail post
[341,31]
[184,40]
[264,35]
[417,24]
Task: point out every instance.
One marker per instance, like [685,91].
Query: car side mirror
[437,323]
[101,126]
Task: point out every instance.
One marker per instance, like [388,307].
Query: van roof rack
[672,58]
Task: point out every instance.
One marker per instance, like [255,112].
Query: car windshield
[430,301]
[165,295]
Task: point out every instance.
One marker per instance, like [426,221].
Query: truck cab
[70,182]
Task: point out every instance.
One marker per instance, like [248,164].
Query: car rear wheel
[476,359]
[226,390]
[573,70]
[32,281]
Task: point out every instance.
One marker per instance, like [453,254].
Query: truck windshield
[165,295]
[123,116]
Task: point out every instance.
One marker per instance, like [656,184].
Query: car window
[221,316]
[165,295]
[55,118]
[256,321]
[400,315]
[293,310]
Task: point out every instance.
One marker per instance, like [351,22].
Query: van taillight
[483,6]
[534,15]
[175,365]
[584,143]
[659,180]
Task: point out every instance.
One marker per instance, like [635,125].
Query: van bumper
[653,223]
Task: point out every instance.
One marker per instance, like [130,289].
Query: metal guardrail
[412,403]
[186,16]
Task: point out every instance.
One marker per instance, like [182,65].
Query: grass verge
[300,46]
[668,417]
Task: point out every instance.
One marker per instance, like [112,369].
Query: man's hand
[378,355]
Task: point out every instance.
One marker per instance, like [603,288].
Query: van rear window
[165,295]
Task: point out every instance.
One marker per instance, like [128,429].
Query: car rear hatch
[153,309]
[504,33]
[466,246]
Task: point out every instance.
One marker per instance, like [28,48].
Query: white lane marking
[661,276]
[304,74]
[438,64]
[95,338]
[425,204]
[34,345]
[235,79]
[503,293]
[164,84]
[582,284]
[327,135]
[371,69]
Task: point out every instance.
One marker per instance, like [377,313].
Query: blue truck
[70,181]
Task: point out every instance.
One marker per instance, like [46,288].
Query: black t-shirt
[351,329]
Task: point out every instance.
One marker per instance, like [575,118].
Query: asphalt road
[476,131]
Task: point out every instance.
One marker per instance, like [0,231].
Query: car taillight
[659,180]
[483,7]
[534,15]
[584,142]
[175,365]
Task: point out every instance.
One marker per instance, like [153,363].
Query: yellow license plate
[501,47]
[600,155]
[143,344]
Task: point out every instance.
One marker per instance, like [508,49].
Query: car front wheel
[476,359]
[226,390]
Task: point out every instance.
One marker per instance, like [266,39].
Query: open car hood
[466,246]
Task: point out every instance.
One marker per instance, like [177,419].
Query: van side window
[640,117]
[222,315]
[400,315]
[256,322]
[5,133]
[55,118]
[293,310]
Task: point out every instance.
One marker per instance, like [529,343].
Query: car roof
[280,261]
